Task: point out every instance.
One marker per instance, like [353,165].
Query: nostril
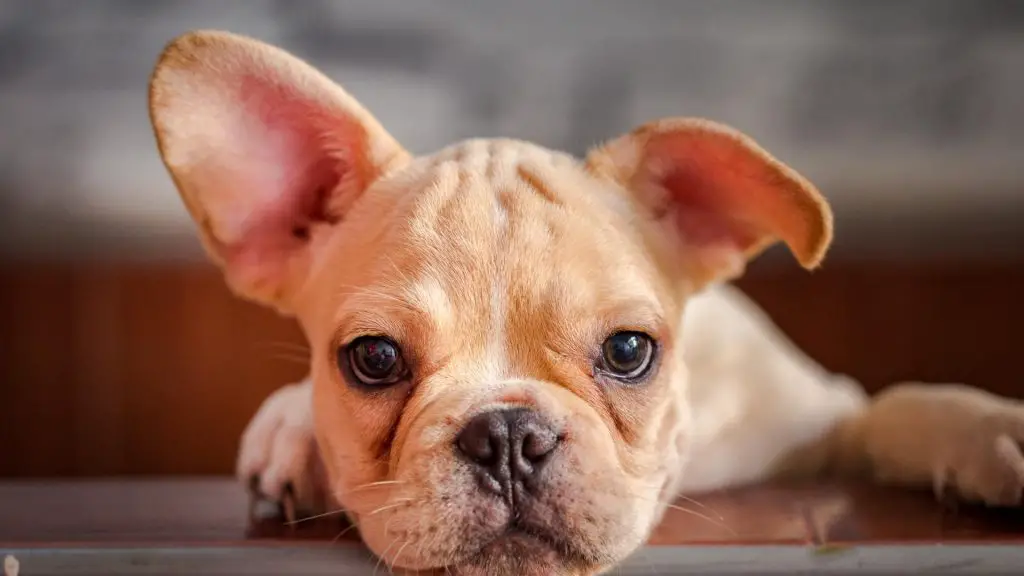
[507,448]
[538,444]
[477,446]
[482,439]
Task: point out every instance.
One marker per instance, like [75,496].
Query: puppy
[518,358]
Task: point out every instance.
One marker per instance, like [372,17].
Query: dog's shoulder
[728,336]
[754,394]
[723,325]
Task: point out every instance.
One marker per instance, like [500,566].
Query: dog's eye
[627,355]
[374,361]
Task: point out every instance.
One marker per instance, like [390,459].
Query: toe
[1009,452]
[288,464]
[255,451]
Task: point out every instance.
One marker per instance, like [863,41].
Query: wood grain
[111,368]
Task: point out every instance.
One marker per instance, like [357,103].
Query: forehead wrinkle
[421,230]
[454,239]
[490,219]
[573,278]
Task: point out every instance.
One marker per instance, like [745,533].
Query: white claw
[11,565]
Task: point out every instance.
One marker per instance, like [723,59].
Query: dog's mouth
[523,548]
[538,537]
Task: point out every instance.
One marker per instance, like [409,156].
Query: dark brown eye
[627,355]
[374,361]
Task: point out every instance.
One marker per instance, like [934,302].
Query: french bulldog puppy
[518,357]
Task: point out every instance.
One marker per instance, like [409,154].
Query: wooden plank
[998,560]
[202,511]
[155,368]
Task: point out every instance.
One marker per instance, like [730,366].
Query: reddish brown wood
[132,369]
[154,368]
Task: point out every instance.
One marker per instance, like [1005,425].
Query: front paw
[278,458]
[985,464]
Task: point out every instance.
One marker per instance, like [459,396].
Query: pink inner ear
[703,214]
[286,157]
[723,194]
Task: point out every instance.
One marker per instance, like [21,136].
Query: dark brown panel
[111,369]
[889,322]
[155,368]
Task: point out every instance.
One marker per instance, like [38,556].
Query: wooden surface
[216,511]
[155,368]
[202,526]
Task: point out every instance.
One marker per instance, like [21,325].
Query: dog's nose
[507,447]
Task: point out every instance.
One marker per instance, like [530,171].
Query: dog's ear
[725,197]
[266,153]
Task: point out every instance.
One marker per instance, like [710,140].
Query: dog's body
[517,358]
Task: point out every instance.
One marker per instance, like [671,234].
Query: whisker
[722,525]
[423,541]
[315,516]
[382,555]
[680,497]
[397,556]
[374,485]
[702,505]
[720,522]
[387,524]
[367,486]
[399,502]
[343,532]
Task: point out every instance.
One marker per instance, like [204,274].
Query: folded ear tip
[819,241]
[813,260]
[799,214]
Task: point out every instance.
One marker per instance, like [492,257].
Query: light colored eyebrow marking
[429,296]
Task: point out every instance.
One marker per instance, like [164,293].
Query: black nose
[508,448]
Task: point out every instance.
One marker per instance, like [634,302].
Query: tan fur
[499,267]
[196,80]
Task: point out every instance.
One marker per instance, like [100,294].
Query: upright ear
[725,197]
[266,153]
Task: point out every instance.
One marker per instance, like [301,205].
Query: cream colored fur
[499,265]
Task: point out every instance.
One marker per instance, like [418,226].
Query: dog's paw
[278,457]
[986,463]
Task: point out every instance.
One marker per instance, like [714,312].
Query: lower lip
[514,545]
[515,540]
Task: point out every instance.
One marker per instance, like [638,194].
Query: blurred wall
[906,113]
[123,352]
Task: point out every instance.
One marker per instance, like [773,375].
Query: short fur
[499,267]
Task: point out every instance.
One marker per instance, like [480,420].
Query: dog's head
[494,327]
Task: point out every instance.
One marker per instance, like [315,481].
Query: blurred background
[121,351]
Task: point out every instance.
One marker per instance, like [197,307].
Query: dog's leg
[278,456]
[952,438]
[763,410]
